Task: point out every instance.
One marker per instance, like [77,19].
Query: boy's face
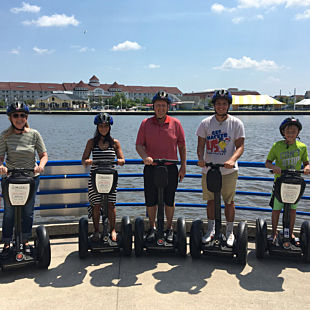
[221,106]
[290,133]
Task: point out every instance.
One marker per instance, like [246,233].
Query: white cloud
[271,3]
[126,46]
[248,63]
[153,66]
[271,79]
[57,20]
[259,17]
[26,7]
[83,49]
[42,51]
[237,20]
[304,15]
[217,8]
[15,51]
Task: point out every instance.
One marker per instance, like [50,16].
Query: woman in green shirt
[18,147]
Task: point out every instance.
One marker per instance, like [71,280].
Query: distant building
[61,101]
[202,99]
[10,91]
[307,94]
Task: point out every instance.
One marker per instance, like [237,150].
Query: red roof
[81,84]
[94,78]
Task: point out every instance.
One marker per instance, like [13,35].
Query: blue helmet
[17,107]
[222,93]
[103,118]
[162,95]
[289,122]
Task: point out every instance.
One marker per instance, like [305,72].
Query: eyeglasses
[21,115]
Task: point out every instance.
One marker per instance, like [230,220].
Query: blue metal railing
[129,175]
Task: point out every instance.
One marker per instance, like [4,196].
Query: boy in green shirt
[287,154]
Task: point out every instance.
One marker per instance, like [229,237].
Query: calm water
[65,137]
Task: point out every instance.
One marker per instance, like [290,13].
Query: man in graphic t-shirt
[220,141]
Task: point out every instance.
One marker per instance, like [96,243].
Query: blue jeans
[27,217]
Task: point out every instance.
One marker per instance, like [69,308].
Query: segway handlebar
[286,171]
[212,165]
[20,170]
[104,162]
[162,161]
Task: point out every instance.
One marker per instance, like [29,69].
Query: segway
[17,189]
[288,189]
[218,244]
[104,179]
[160,244]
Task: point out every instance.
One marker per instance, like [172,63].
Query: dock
[113,281]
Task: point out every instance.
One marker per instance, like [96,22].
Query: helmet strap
[21,130]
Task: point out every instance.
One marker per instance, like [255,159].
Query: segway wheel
[305,241]
[83,237]
[181,236]
[260,237]
[196,238]
[242,243]
[139,232]
[126,235]
[43,247]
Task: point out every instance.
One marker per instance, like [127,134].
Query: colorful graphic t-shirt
[220,139]
[288,156]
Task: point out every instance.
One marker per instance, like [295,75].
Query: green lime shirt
[20,149]
[288,156]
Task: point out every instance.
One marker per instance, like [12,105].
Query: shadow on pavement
[265,273]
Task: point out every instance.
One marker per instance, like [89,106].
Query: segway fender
[305,240]
[126,235]
[42,235]
[196,238]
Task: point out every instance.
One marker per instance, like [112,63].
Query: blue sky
[195,45]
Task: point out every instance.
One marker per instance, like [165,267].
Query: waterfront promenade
[110,281]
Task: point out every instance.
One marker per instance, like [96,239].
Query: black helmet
[288,122]
[17,106]
[103,118]
[162,95]
[222,93]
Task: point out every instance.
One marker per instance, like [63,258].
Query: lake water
[65,137]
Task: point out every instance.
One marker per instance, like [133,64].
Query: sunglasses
[21,115]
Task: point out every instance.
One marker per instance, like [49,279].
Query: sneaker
[169,235]
[5,250]
[230,240]
[27,249]
[208,236]
[151,235]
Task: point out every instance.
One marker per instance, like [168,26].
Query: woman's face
[19,119]
[104,129]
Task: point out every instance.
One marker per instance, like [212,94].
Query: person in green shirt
[18,147]
[287,154]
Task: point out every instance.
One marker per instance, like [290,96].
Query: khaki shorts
[229,182]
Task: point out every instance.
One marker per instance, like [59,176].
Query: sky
[195,45]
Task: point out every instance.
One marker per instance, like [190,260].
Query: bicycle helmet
[288,122]
[222,93]
[17,107]
[103,118]
[162,95]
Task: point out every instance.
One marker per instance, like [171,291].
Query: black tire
[181,236]
[83,237]
[260,238]
[196,238]
[242,243]
[43,247]
[126,235]
[139,232]
[305,241]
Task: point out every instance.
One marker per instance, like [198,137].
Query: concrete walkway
[110,281]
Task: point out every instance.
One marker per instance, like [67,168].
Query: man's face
[221,106]
[160,108]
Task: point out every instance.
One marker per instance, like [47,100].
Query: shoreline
[209,112]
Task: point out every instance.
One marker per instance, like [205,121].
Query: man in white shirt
[221,141]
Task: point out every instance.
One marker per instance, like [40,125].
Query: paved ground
[110,281]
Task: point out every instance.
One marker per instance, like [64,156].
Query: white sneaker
[208,236]
[230,240]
